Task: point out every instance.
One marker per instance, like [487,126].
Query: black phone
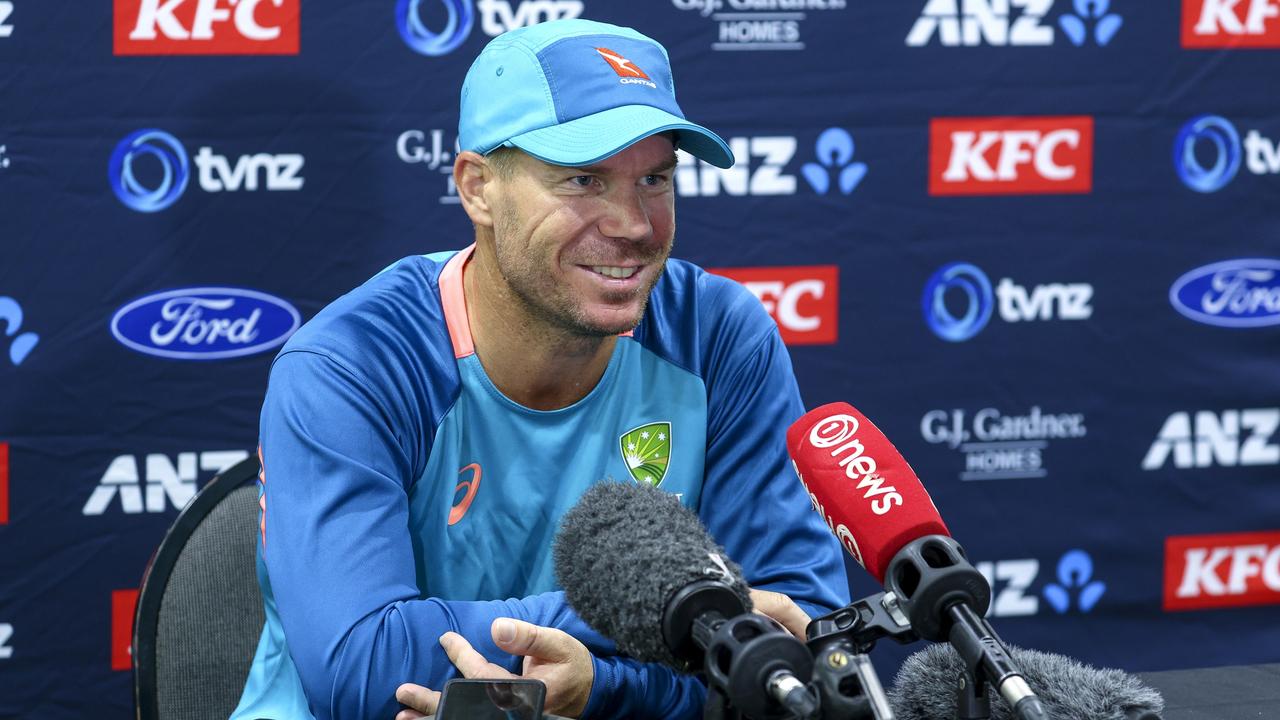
[518,699]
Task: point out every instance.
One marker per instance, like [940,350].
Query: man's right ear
[471,174]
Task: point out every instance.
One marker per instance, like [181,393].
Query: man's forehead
[645,156]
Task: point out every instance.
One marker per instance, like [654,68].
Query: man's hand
[781,608]
[552,656]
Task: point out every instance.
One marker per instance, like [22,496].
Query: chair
[200,610]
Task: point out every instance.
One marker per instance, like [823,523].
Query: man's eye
[581,180]
[654,180]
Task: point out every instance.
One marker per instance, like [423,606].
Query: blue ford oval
[205,323]
[1233,293]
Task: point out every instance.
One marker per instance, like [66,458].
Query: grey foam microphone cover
[621,553]
[925,688]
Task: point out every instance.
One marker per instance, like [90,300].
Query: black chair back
[200,610]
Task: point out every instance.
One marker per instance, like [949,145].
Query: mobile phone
[518,699]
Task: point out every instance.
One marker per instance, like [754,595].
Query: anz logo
[1011,581]
[20,343]
[760,168]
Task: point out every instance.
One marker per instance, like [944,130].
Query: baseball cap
[573,92]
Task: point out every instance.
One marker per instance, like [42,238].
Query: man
[422,435]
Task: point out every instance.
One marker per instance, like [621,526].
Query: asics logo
[470,486]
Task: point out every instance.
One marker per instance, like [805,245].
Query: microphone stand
[944,597]
[842,680]
[848,687]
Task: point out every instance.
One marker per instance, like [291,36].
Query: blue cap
[574,92]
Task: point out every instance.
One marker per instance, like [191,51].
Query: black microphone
[641,569]
[1069,690]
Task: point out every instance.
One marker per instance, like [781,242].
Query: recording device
[1068,689]
[512,699]
[640,568]
[874,503]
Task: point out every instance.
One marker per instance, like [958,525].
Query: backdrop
[1036,241]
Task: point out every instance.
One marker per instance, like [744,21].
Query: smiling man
[422,436]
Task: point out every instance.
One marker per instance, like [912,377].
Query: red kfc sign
[1216,571]
[206,27]
[4,483]
[1231,23]
[123,604]
[1010,155]
[803,300]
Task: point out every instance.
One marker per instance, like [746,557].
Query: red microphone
[861,485]
[872,500]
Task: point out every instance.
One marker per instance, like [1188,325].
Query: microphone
[872,500]
[1068,689]
[640,568]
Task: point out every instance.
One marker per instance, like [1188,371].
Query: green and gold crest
[646,450]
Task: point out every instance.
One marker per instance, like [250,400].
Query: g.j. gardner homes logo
[646,451]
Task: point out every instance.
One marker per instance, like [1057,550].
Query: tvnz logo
[149,171]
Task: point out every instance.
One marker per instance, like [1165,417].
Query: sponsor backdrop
[1034,240]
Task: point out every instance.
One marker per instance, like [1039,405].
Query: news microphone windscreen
[623,551]
[925,688]
[861,485]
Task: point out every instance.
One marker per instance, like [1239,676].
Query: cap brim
[595,137]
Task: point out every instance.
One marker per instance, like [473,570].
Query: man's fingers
[781,608]
[521,638]
[469,662]
[421,701]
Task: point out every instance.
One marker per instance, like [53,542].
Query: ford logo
[1233,293]
[206,323]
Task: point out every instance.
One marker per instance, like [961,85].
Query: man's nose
[627,217]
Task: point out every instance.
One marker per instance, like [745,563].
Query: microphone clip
[860,624]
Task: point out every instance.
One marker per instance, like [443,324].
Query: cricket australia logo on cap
[627,71]
[646,450]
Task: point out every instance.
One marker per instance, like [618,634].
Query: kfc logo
[802,300]
[1010,155]
[123,604]
[1231,23]
[206,27]
[1216,571]
[4,483]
